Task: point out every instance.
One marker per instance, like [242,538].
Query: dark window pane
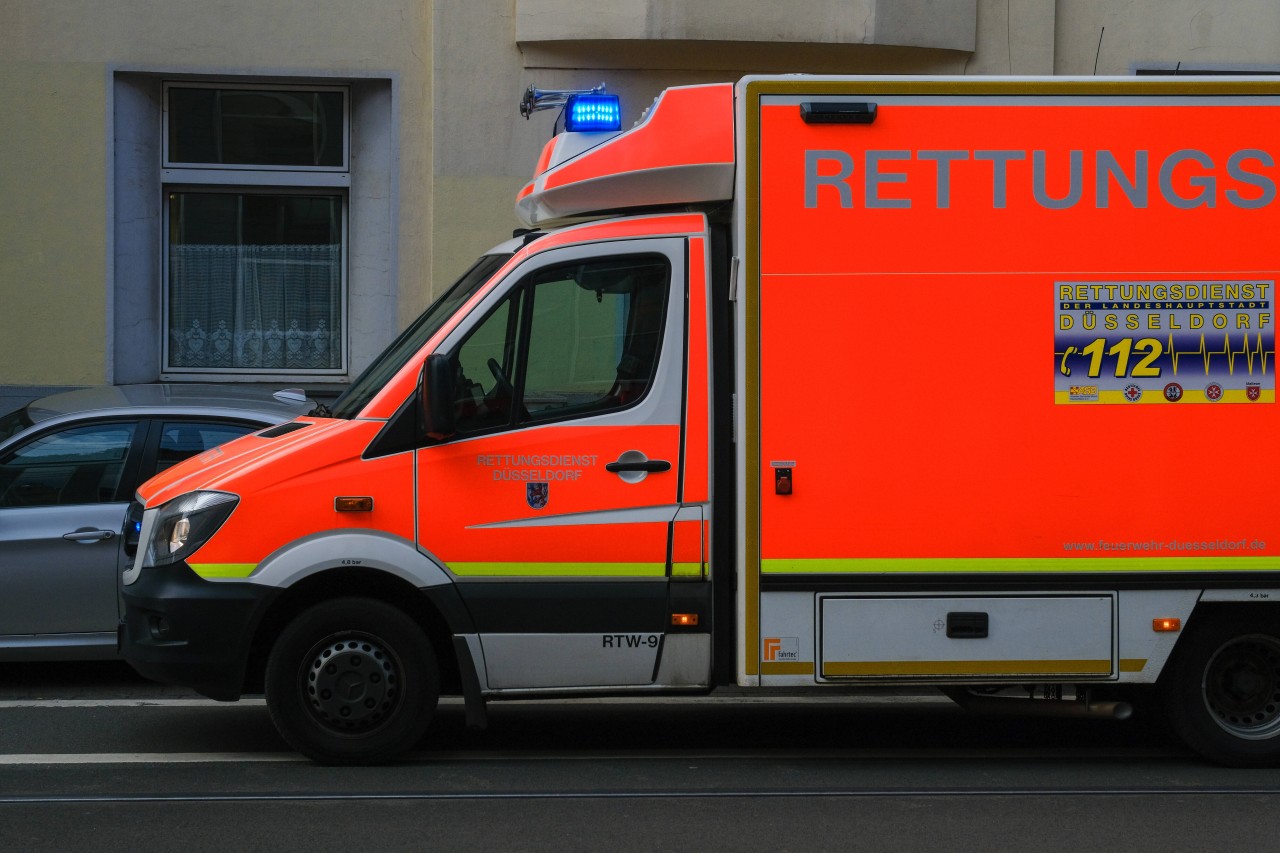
[179,441]
[590,345]
[256,127]
[484,367]
[74,466]
[594,338]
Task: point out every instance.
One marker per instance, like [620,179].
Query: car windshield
[386,365]
[14,423]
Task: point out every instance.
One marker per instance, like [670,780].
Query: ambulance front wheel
[352,681]
[1222,690]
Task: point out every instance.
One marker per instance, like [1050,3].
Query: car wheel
[1222,691]
[352,681]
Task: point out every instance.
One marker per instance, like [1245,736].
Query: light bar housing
[593,113]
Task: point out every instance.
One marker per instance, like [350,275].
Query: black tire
[1221,692]
[385,666]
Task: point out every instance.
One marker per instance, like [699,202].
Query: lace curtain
[244,307]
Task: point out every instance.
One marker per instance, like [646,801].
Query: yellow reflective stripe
[613,570]
[1133,664]
[1020,564]
[626,570]
[686,570]
[223,570]
[967,667]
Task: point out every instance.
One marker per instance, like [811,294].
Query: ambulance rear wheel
[1222,691]
[352,681]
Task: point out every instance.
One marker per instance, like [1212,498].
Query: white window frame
[250,179]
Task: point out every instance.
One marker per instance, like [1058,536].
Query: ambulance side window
[570,340]
[483,366]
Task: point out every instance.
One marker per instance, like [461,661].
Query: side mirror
[436,395]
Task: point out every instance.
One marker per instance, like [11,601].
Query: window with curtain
[255,264]
[255,282]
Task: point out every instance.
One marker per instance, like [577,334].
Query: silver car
[69,466]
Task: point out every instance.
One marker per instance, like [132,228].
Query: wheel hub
[1242,687]
[351,683]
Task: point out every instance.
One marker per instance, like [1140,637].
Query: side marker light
[1166,625]
[353,504]
[684,620]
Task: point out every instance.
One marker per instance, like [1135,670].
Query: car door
[64,495]
[63,498]
[554,502]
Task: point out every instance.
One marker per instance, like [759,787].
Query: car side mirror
[436,395]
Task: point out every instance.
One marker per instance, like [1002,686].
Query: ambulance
[835,384]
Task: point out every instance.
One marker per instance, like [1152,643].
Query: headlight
[186,523]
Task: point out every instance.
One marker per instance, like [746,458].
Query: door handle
[649,466]
[633,466]
[88,536]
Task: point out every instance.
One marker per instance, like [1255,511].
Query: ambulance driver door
[552,501]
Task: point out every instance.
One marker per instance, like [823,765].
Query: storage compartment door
[958,638]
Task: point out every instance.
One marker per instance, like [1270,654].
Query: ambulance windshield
[386,365]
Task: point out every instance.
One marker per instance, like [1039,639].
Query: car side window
[80,465]
[594,336]
[180,440]
[571,340]
[484,365]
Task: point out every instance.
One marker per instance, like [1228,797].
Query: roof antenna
[1098,52]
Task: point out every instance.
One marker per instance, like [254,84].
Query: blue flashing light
[593,113]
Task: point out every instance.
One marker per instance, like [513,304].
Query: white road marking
[147,758]
[862,701]
[431,756]
[745,794]
[159,702]
[72,759]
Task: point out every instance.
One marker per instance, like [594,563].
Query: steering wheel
[503,387]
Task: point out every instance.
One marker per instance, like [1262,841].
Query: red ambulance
[964,383]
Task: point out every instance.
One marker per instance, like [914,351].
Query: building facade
[246,192]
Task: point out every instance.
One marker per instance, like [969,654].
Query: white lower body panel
[971,637]
[809,638]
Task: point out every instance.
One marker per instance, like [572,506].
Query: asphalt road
[92,758]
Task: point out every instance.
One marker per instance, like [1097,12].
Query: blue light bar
[594,112]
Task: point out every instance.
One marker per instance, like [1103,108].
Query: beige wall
[57,58]
[947,24]
[482,159]
[1119,35]
[459,67]
[52,224]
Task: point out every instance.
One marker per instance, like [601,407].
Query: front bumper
[181,629]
